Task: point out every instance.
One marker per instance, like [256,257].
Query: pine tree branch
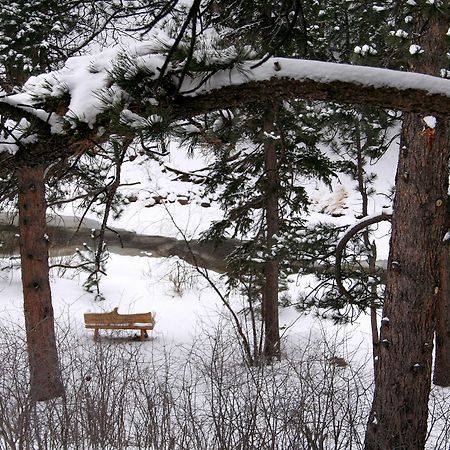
[410,100]
[18,112]
[290,79]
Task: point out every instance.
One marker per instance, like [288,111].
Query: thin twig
[205,274]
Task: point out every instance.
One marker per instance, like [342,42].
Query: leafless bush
[183,277]
[135,396]
[439,418]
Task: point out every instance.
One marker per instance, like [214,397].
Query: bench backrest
[114,318]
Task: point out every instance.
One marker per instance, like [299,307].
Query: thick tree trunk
[398,419]
[399,413]
[271,268]
[43,358]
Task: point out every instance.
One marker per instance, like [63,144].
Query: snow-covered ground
[188,311]
[182,300]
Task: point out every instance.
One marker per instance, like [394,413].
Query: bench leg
[143,333]
[96,334]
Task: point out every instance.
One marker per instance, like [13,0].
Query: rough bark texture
[410,100]
[271,267]
[43,358]
[398,419]
[399,416]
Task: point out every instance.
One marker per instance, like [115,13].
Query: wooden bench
[115,321]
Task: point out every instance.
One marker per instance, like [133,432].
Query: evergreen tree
[259,180]
[36,36]
[402,382]
[302,29]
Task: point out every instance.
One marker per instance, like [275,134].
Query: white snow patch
[414,49]
[430,121]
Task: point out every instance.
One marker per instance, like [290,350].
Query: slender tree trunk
[43,358]
[372,248]
[398,419]
[271,268]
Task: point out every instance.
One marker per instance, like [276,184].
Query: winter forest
[225,225]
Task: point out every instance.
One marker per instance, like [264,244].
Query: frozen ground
[184,303]
[189,312]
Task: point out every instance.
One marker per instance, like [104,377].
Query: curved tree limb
[282,78]
[411,100]
[350,232]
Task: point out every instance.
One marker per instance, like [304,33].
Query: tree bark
[39,321]
[338,90]
[271,266]
[398,419]
[371,248]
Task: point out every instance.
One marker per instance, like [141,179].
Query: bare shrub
[135,396]
[15,408]
[439,418]
[183,277]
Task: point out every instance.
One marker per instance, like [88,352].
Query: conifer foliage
[36,37]
[264,153]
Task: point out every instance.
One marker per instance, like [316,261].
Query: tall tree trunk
[271,267]
[43,358]
[371,248]
[398,419]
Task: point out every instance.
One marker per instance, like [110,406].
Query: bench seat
[115,321]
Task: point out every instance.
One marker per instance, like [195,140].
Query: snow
[142,283]
[186,306]
[430,121]
[415,49]
[87,79]
[323,72]
[400,33]
[183,307]
[135,121]
[146,216]
[88,82]
[25,102]
[364,50]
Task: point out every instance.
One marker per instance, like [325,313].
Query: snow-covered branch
[128,79]
[315,80]
[89,83]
